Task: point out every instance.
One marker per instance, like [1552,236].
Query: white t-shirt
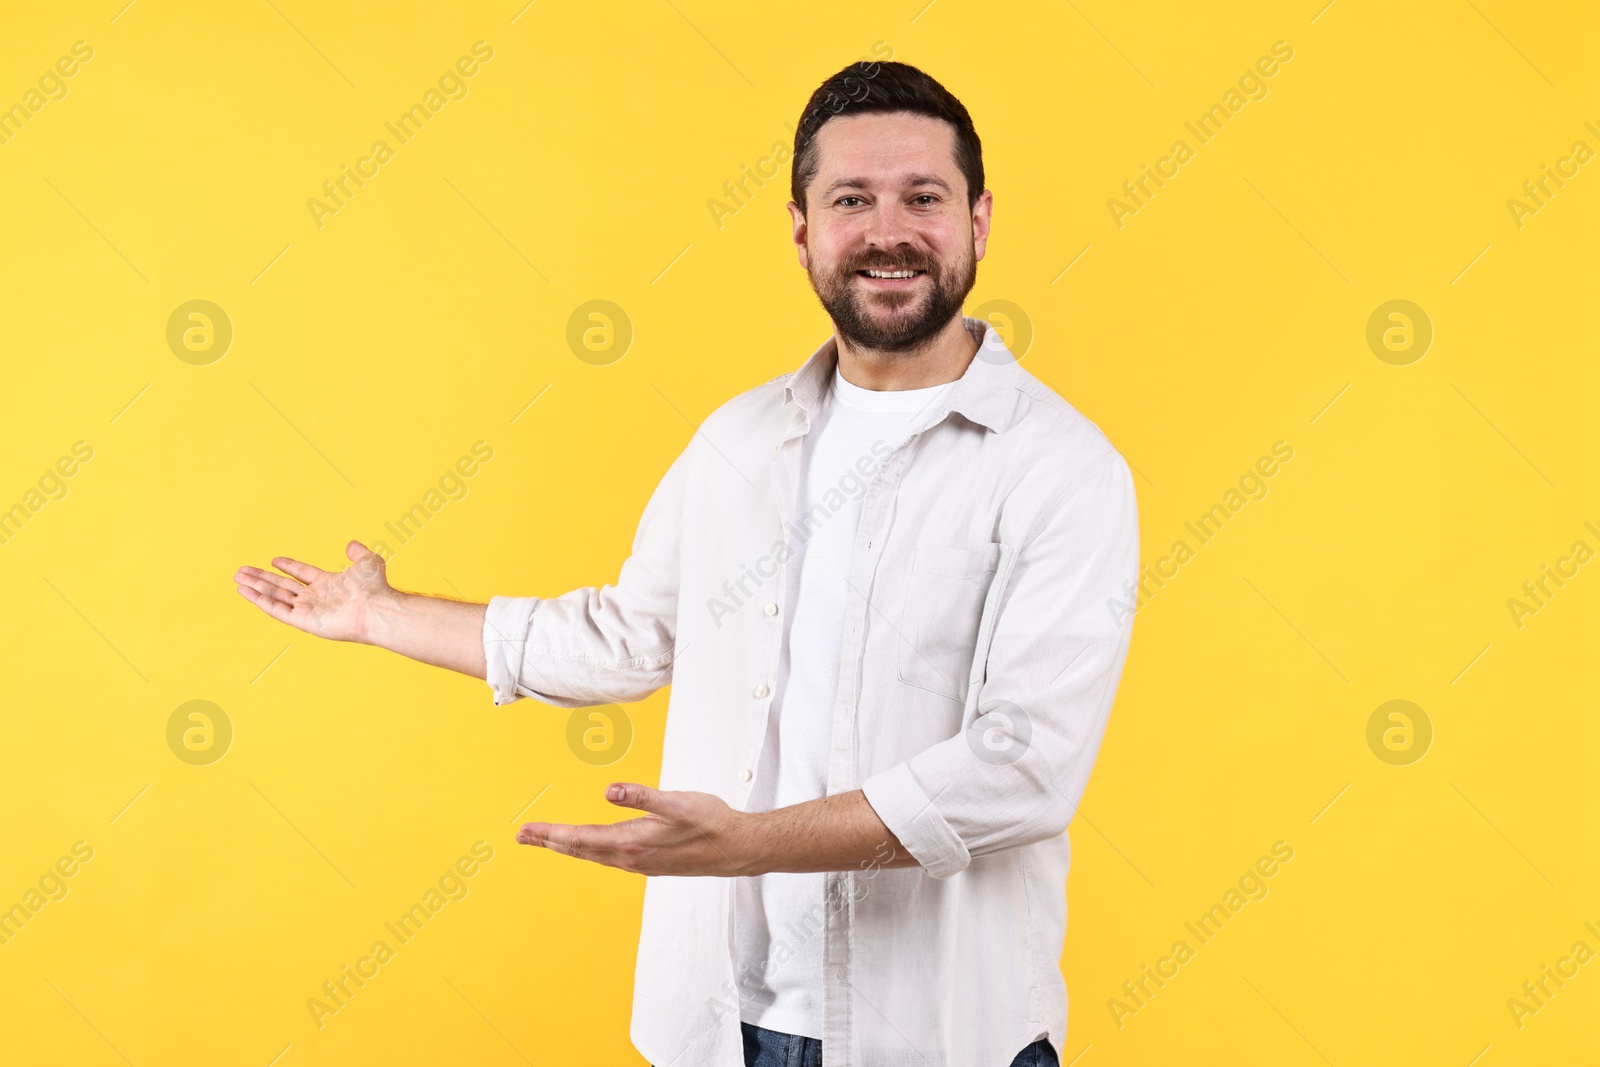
[780,916]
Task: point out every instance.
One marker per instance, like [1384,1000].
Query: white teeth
[890,273]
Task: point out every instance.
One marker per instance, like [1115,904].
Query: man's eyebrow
[911,180]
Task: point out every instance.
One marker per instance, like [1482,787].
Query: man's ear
[798,219]
[982,213]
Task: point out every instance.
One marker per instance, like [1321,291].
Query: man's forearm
[833,833]
[691,833]
[433,630]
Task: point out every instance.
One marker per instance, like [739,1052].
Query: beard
[894,321]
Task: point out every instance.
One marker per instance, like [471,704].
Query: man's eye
[929,197]
[842,200]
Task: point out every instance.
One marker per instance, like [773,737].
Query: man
[879,588]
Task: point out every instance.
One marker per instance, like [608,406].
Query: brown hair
[863,88]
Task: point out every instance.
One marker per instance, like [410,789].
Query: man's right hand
[359,604]
[338,605]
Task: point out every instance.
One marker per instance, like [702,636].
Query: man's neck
[944,357]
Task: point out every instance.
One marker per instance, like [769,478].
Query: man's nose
[886,228]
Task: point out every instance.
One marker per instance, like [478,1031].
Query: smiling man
[878,588]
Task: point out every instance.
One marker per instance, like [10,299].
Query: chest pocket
[944,608]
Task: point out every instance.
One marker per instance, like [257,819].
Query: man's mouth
[892,276]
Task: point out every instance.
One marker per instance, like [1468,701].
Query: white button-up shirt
[982,647]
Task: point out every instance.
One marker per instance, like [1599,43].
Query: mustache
[910,261]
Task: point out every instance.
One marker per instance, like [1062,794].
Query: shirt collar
[986,393]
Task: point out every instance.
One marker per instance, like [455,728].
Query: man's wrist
[381,617]
[756,851]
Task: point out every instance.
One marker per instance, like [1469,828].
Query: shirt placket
[767,645]
[762,668]
[839,886]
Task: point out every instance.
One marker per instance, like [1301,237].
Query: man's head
[888,173]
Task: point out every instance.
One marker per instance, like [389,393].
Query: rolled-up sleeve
[597,645]
[1015,774]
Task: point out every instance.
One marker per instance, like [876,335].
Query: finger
[271,592]
[303,571]
[262,582]
[664,806]
[535,833]
[578,842]
[256,572]
[590,840]
[355,551]
[276,609]
[560,836]
[364,565]
[640,797]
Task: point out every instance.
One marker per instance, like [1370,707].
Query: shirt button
[744,774]
[771,609]
[760,691]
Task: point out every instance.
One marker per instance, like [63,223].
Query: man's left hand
[683,833]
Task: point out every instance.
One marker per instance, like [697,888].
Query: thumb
[367,562]
[633,795]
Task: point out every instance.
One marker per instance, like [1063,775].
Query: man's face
[888,197]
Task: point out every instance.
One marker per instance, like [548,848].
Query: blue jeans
[769,1048]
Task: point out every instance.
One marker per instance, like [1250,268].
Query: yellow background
[370,353]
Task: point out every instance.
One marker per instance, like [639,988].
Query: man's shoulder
[1048,423]
[750,408]
[1058,454]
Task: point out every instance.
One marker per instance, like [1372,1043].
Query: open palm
[331,604]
